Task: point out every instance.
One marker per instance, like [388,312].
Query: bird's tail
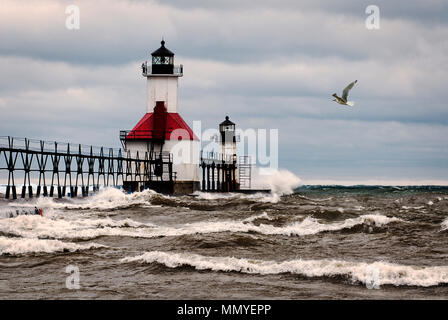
[350,103]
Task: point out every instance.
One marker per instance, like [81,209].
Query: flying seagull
[343,99]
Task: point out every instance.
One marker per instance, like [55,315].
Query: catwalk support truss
[75,168]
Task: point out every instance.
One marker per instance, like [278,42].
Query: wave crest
[22,246]
[41,227]
[388,273]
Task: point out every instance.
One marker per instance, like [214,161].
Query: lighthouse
[228,139]
[162,134]
[228,150]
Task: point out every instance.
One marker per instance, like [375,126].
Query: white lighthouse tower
[162,131]
[162,79]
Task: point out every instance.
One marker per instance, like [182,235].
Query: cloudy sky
[267,64]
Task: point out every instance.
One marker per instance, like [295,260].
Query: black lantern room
[227,130]
[162,60]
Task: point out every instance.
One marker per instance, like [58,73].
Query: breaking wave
[256,197]
[280,182]
[264,215]
[109,199]
[21,246]
[105,199]
[357,272]
[42,227]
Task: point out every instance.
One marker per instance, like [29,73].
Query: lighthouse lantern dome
[162,60]
[227,125]
[227,130]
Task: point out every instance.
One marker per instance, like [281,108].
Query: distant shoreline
[372,183]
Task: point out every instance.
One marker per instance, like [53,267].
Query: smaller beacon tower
[228,150]
[228,140]
[219,170]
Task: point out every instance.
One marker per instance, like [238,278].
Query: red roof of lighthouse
[145,128]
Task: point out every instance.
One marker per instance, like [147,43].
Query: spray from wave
[388,273]
[105,199]
[280,182]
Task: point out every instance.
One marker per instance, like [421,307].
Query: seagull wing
[347,89]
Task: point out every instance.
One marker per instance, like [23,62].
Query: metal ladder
[244,172]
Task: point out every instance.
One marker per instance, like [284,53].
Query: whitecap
[42,227]
[21,246]
[357,272]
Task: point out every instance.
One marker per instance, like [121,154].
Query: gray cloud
[269,65]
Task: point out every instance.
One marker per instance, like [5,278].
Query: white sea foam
[105,199]
[42,227]
[20,246]
[216,196]
[389,273]
[264,215]
[259,196]
[412,208]
[84,228]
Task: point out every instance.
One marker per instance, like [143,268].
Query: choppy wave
[357,272]
[21,246]
[412,208]
[105,199]
[264,215]
[114,199]
[256,197]
[42,227]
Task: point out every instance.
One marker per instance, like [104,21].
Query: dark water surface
[318,243]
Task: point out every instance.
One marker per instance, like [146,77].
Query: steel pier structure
[219,172]
[76,167]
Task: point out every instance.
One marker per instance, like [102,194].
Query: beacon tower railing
[219,172]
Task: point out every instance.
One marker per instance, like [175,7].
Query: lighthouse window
[156,60]
[167,60]
[162,60]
